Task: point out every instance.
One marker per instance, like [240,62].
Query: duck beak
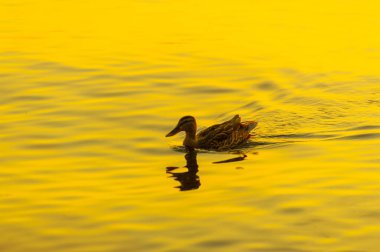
[174,131]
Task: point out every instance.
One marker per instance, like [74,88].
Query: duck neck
[190,139]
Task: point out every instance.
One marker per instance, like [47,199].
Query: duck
[219,137]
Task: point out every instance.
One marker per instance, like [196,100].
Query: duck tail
[251,125]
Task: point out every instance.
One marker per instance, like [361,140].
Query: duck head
[189,125]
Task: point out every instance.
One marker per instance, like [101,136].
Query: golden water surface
[88,90]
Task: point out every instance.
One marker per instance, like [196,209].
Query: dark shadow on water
[260,144]
[189,180]
[237,159]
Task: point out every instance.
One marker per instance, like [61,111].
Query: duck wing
[225,135]
[216,129]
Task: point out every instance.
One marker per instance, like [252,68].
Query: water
[88,92]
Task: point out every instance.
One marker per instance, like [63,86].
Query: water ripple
[366,136]
[61,145]
[59,67]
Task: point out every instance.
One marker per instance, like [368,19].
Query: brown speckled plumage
[227,135]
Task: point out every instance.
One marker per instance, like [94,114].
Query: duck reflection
[189,180]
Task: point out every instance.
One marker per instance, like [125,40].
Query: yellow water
[88,90]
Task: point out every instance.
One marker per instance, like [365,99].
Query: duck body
[223,136]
